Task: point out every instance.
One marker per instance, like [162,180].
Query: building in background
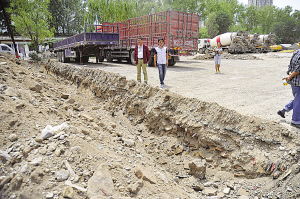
[260,3]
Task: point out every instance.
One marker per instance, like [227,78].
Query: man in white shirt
[161,60]
[141,57]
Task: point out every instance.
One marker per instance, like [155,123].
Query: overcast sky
[295,4]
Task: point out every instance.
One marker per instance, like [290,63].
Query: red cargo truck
[179,29]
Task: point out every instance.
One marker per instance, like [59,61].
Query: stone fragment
[49,130]
[136,187]
[226,190]
[13,137]
[100,184]
[208,191]
[49,195]
[37,161]
[37,88]
[4,156]
[37,175]
[16,182]
[62,175]
[65,96]
[198,168]
[128,142]
[242,192]
[146,174]
[68,192]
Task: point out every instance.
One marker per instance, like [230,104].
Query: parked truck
[179,29]
[116,41]
[82,46]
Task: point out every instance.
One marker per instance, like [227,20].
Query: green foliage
[30,18]
[110,11]
[212,26]
[67,16]
[34,56]
[203,33]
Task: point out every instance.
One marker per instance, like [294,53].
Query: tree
[67,16]
[30,17]
[212,26]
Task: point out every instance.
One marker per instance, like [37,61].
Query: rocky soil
[71,132]
[229,56]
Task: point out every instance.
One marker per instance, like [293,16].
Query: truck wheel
[151,61]
[101,59]
[132,61]
[200,51]
[85,59]
[109,56]
[171,62]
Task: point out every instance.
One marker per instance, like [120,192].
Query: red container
[179,29]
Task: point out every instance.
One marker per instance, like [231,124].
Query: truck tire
[85,59]
[132,61]
[151,61]
[109,56]
[101,59]
[171,62]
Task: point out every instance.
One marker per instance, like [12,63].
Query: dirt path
[251,87]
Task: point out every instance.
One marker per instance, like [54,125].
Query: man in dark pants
[141,57]
[293,79]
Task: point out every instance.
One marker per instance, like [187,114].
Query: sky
[295,4]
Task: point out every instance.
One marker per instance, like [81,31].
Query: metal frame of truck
[82,46]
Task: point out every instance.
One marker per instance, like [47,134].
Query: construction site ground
[249,83]
[85,132]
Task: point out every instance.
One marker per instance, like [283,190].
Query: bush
[34,56]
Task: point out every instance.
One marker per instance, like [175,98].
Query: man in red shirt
[141,57]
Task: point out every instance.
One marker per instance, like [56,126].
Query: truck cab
[203,45]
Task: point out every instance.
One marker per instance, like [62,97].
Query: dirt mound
[99,135]
[229,56]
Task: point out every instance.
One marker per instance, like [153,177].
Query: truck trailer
[180,31]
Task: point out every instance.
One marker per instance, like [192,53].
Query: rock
[128,142]
[226,190]
[198,187]
[37,161]
[12,123]
[49,195]
[87,117]
[37,88]
[37,175]
[2,87]
[100,184]
[71,101]
[146,174]
[209,191]
[49,130]
[65,96]
[20,106]
[4,180]
[16,182]
[242,192]
[68,192]
[136,187]
[198,168]
[62,175]
[244,197]
[13,137]
[4,156]
[178,149]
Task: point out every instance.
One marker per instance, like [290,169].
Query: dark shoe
[281,113]
[296,125]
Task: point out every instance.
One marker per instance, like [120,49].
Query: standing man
[217,58]
[293,79]
[161,59]
[141,57]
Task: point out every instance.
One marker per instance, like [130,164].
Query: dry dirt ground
[120,139]
[250,84]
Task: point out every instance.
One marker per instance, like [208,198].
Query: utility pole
[3,4]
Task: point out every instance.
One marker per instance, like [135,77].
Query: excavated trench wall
[224,137]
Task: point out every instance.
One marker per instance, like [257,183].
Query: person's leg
[160,71]
[287,107]
[164,69]
[219,63]
[138,67]
[145,73]
[296,105]
[216,63]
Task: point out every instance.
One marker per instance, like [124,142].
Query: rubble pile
[228,56]
[73,132]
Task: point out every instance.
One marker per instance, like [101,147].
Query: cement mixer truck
[241,42]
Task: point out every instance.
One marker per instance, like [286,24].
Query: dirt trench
[231,141]
[122,125]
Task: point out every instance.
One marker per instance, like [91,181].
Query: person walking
[293,79]
[218,52]
[141,57]
[161,61]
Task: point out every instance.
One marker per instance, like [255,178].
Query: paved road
[251,87]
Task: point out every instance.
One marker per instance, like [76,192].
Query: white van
[7,49]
